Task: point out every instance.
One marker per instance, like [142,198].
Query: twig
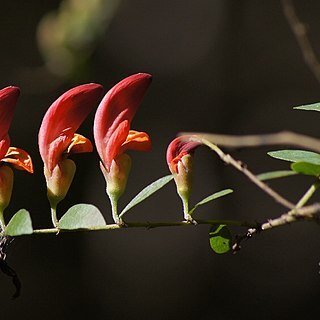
[280,138]
[300,214]
[242,168]
[299,30]
[151,225]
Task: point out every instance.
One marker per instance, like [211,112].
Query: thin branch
[243,168]
[307,213]
[280,138]
[299,30]
[300,214]
[151,225]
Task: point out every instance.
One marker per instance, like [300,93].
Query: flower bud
[183,177]
[59,181]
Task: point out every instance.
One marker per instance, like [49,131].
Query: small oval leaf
[311,107]
[20,224]
[275,174]
[296,156]
[147,192]
[82,216]
[306,168]
[212,197]
[220,239]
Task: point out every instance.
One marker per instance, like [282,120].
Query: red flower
[112,132]
[179,159]
[113,136]
[57,138]
[18,158]
[15,156]
[177,149]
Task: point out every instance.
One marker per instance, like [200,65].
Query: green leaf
[296,156]
[311,107]
[19,224]
[306,168]
[220,239]
[147,192]
[275,174]
[81,216]
[211,198]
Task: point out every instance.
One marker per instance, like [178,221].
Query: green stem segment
[54,218]
[306,197]
[114,209]
[2,222]
[186,213]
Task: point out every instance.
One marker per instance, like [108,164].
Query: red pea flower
[57,138]
[179,158]
[113,136]
[18,158]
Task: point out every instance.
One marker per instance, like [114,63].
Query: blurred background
[221,66]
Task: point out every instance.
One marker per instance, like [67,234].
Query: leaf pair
[158,184]
[304,162]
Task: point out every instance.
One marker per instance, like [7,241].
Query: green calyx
[59,181]
[116,181]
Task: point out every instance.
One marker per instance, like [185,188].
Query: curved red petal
[136,140]
[119,105]
[8,100]
[19,158]
[114,143]
[178,148]
[63,118]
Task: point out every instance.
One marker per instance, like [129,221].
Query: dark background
[229,67]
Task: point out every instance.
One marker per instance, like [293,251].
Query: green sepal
[20,224]
[147,192]
[220,239]
[212,197]
[82,216]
